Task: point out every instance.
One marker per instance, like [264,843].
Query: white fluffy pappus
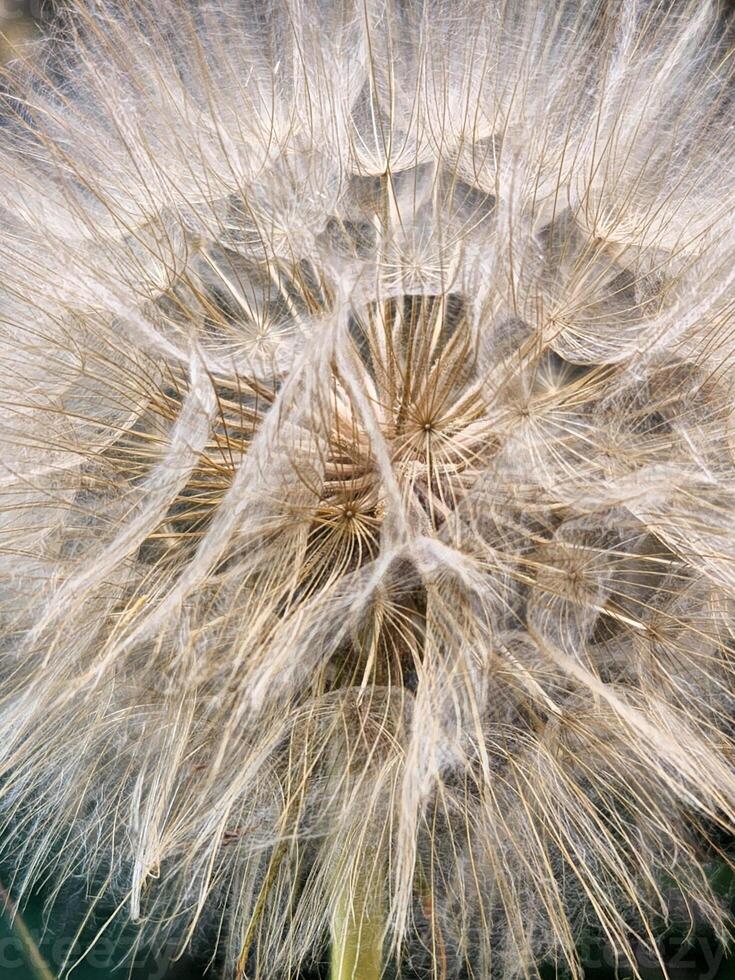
[367,492]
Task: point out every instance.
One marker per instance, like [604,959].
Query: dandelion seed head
[367,475]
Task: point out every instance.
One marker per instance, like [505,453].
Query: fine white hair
[367,477]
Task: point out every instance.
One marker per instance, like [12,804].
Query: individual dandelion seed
[368,487]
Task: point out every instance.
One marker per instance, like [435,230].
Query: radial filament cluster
[367,495]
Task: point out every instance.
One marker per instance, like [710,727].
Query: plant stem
[357,932]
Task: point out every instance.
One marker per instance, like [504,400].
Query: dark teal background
[102,963]
[699,958]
